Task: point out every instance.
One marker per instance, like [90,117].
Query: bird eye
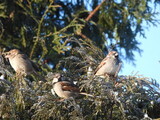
[6,53]
[116,54]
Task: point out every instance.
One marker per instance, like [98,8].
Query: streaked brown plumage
[109,66]
[20,62]
[66,89]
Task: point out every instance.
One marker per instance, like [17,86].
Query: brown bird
[109,66]
[20,62]
[66,89]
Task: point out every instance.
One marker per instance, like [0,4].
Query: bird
[20,62]
[110,66]
[66,89]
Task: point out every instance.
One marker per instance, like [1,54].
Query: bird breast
[62,93]
[20,64]
[58,90]
[110,67]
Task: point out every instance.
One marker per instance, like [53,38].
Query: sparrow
[20,62]
[109,66]
[66,89]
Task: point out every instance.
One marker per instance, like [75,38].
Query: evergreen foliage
[64,36]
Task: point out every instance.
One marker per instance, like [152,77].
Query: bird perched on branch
[21,63]
[66,89]
[109,66]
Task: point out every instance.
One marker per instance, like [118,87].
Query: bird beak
[6,54]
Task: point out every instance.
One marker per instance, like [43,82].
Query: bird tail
[39,76]
[119,66]
[82,93]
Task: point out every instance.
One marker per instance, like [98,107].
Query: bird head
[113,54]
[56,78]
[12,53]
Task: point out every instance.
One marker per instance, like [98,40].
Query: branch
[94,11]
[39,29]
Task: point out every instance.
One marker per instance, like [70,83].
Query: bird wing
[101,64]
[118,69]
[35,66]
[66,86]
[25,57]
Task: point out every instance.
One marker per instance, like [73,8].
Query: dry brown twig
[94,11]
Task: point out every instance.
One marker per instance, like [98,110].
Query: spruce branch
[39,29]
[29,12]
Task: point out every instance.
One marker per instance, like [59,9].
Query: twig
[39,29]
[89,17]
[94,11]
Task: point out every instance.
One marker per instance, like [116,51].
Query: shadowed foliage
[70,36]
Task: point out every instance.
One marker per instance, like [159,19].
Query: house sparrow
[109,66]
[20,62]
[66,89]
